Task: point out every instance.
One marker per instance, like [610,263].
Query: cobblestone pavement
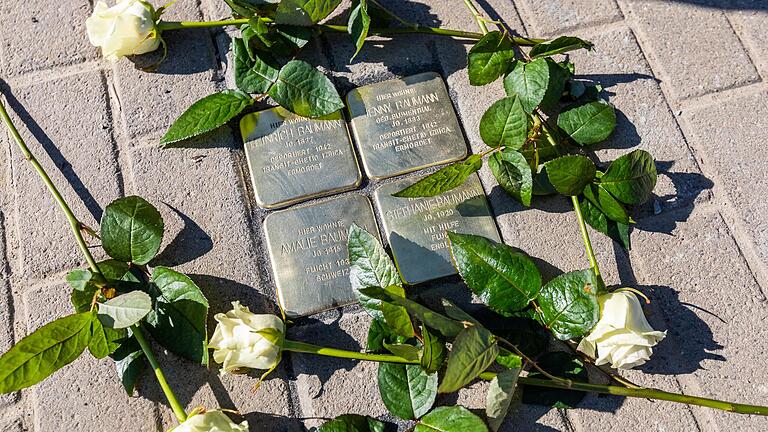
[688,78]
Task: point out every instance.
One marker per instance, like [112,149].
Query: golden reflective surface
[416,227]
[292,158]
[308,251]
[405,124]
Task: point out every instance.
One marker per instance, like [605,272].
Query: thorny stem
[412,28]
[585,237]
[480,21]
[647,393]
[77,228]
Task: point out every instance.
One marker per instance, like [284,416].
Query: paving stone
[714,312]
[752,27]
[87,392]
[547,17]
[733,155]
[6,311]
[26,27]
[327,386]
[150,102]
[66,123]
[683,58]
[12,426]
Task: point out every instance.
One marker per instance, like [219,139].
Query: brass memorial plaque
[405,124]
[292,158]
[308,252]
[416,227]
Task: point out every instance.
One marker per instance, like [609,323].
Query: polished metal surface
[308,251]
[292,158]
[405,124]
[416,227]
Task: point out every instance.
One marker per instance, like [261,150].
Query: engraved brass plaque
[405,124]
[292,158]
[308,251]
[416,227]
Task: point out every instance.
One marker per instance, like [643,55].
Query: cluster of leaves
[537,135]
[508,282]
[265,64]
[111,303]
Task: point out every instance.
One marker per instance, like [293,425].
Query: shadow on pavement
[756,5]
[190,243]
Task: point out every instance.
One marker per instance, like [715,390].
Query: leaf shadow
[190,243]
[177,62]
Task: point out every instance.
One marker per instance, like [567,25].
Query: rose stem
[76,226]
[646,393]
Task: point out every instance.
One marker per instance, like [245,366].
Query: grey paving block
[26,27]
[752,27]
[66,123]
[87,392]
[714,313]
[687,60]
[150,102]
[12,426]
[733,156]
[547,17]
[208,233]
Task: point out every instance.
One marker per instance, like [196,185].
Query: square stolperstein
[405,124]
[292,158]
[416,227]
[308,251]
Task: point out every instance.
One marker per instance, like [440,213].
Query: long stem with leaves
[77,228]
[379,31]
[646,393]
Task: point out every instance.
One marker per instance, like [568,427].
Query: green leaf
[513,173]
[304,90]
[378,333]
[352,423]
[131,230]
[529,81]
[505,123]
[570,174]
[446,326]
[569,306]
[207,114]
[631,178]
[359,22]
[443,180]
[595,217]
[295,37]
[406,390]
[408,352]
[559,364]
[83,290]
[433,353]
[304,12]
[561,45]
[253,75]
[125,310]
[457,313]
[130,363]
[473,351]
[180,316]
[98,345]
[509,360]
[612,208]
[370,266]
[589,123]
[450,419]
[45,351]
[490,58]
[504,279]
[499,397]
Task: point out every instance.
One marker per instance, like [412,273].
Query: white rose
[126,28]
[622,336]
[210,421]
[244,339]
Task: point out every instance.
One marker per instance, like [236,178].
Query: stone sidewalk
[688,78]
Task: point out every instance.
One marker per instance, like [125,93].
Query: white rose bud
[246,340]
[622,336]
[210,421]
[127,28]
